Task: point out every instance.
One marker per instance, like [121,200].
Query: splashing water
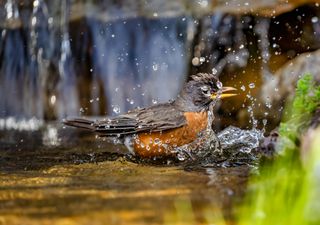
[230,145]
[227,145]
[234,140]
[250,110]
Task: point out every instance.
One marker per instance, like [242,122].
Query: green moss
[282,193]
[305,102]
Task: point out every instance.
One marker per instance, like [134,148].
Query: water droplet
[314,19]
[116,109]
[214,71]
[195,61]
[203,3]
[155,67]
[53,99]
[154,101]
[243,88]
[181,157]
[157,141]
[264,122]
[268,105]
[252,85]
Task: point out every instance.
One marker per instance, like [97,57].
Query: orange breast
[153,144]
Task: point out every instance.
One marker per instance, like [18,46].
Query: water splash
[232,146]
[250,108]
[235,140]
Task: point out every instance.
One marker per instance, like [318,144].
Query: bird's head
[201,90]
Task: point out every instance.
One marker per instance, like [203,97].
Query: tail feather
[111,128]
[81,123]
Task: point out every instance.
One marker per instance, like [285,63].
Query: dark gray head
[200,91]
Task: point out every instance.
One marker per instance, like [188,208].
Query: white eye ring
[219,84]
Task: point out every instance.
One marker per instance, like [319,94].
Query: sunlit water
[62,175]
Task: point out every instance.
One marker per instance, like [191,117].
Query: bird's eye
[205,90]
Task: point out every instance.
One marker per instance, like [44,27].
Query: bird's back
[156,118]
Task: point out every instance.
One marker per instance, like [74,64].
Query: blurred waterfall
[144,60]
[62,58]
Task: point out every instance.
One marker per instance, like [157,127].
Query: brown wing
[155,118]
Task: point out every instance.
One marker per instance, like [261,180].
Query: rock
[264,8]
[281,87]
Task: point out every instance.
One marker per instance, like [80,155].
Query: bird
[156,131]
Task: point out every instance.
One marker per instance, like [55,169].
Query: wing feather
[153,119]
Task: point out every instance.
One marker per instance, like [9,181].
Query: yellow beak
[223,93]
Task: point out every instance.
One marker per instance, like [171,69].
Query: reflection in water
[81,179]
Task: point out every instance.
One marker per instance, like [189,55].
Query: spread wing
[155,118]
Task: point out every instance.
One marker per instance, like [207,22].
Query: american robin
[157,130]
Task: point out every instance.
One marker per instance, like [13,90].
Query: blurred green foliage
[298,112]
[284,191]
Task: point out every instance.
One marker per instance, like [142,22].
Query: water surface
[62,176]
